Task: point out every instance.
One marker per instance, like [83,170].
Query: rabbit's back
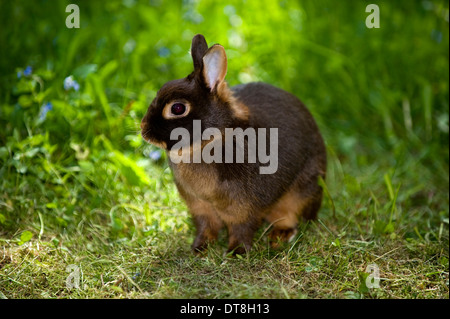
[299,139]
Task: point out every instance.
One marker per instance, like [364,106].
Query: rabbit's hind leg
[314,202]
[284,215]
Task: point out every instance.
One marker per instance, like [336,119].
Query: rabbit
[236,195]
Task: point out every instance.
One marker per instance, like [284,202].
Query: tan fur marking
[208,224]
[234,213]
[200,207]
[285,213]
[200,188]
[239,109]
[196,180]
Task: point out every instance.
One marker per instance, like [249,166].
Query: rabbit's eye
[178,109]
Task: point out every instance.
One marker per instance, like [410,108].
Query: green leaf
[52,205]
[25,100]
[61,221]
[24,86]
[134,174]
[388,182]
[238,256]
[3,152]
[86,166]
[309,269]
[25,237]
[336,243]
[20,167]
[116,288]
[55,242]
[363,289]
[83,71]
[32,152]
[101,96]
[116,223]
[108,69]
[389,228]
[40,97]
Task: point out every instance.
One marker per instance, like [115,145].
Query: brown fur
[235,196]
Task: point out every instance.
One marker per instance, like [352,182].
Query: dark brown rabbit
[237,195]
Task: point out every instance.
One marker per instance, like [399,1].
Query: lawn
[90,210]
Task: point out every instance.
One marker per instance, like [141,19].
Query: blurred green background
[72,155]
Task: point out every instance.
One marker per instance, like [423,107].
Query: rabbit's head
[202,95]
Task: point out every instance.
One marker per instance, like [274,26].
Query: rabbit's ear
[214,66]
[198,49]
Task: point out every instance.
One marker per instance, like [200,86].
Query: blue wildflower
[27,71]
[19,74]
[70,83]
[136,275]
[45,108]
[164,52]
[436,35]
[155,155]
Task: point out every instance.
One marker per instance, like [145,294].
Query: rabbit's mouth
[146,136]
[162,145]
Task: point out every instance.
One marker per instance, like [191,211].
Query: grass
[318,265]
[78,186]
